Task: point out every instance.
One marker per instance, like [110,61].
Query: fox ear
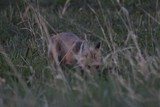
[98,46]
[77,47]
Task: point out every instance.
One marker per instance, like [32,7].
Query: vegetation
[127,29]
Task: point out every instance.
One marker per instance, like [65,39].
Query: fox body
[68,48]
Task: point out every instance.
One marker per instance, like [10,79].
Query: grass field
[129,32]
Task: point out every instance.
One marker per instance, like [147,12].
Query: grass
[128,31]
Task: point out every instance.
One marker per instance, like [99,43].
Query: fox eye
[97,66]
[88,66]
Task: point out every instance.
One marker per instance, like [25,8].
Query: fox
[68,48]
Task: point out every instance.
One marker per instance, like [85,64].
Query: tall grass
[128,77]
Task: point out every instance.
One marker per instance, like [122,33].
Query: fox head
[89,58]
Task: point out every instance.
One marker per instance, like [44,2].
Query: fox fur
[68,48]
